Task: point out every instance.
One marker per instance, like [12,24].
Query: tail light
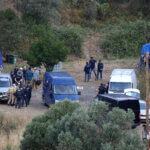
[139,115]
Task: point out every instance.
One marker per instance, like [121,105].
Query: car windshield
[133,94]
[4,82]
[119,86]
[65,89]
[142,105]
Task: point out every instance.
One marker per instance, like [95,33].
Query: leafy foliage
[66,125]
[126,40]
[13,32]
[47,50]
[39,12]
[72,39]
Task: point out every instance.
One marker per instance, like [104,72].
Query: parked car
[143,111]
[123,102]
[58,86]
[132,92]
[5,83]
[122,79]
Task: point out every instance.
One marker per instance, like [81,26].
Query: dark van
[122,101]
[58,86]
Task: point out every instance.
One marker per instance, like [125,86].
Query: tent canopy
[145,49]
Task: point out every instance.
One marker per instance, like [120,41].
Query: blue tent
[1,61]
[145,49]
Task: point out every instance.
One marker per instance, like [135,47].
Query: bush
[126,40]
[66,125]
[35,135]
[47,50]
[39,12]
[72,39]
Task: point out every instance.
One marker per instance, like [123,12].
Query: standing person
[92,66]
[24,72]
[87,72]
[18,95]
[29,75]
[100,67]
[11,92]
[29,92]
[16,70]
[13,77]
[24,96]
[35,78]
[102,89]
[18,78]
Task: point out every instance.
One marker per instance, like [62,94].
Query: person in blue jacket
[29,75]
[100,67]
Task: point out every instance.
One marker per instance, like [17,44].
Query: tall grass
[126,40]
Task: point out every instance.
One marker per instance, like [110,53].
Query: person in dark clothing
[87,72]
[24,72]
[107,87]
[92,66]
[18,95]
[29,92]
[101,89]
[142,62]
[100,67]
[16,70]
[24,96]
[13,77]
[18,79]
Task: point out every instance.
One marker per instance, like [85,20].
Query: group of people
[90,67]
[103,89]
[23,80]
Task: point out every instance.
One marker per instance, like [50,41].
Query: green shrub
[36,135]
[126,40]
[67,126]
[39,12]
[72,38]
[47,50]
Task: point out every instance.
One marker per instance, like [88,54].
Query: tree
[12,32]
[47,50]
[68,126]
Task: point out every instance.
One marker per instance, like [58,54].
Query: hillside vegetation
[124,25]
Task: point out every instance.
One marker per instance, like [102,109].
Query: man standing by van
[100,67]
[92,66]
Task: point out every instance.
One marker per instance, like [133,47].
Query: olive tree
[67,125]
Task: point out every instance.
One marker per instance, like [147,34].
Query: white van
[122,79]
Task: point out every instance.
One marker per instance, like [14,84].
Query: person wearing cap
[35,78]
[11,92]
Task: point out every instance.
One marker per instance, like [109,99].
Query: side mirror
[79,92]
